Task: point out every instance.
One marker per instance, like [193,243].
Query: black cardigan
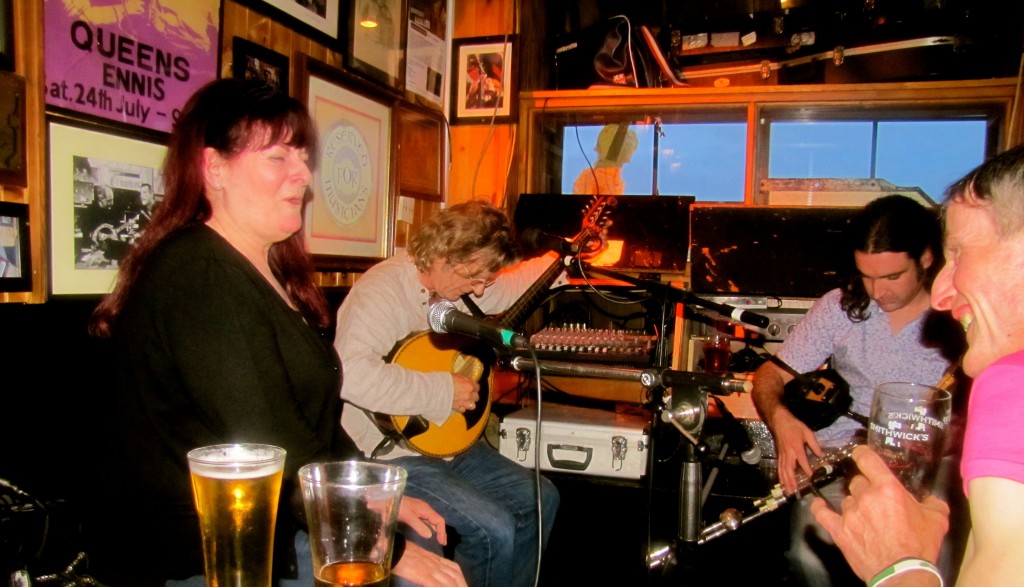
[207,352]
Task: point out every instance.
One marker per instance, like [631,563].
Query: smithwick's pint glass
[908,430]
[236,488]
[351,508]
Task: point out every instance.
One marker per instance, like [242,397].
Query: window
[928,152]
[735,145]
[582,153]
[705,159]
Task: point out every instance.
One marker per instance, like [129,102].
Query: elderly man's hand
[422,518]
[428,569]
[881,521]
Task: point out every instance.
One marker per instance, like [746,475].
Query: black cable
[536,465]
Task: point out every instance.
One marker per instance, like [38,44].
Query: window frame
[876,113]
[540,113]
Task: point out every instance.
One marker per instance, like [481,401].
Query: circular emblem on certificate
[346,175]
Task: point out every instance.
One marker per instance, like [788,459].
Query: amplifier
[584,441]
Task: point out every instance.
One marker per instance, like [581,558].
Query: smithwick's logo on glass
[908,426]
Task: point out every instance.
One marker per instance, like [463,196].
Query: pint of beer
[236,488]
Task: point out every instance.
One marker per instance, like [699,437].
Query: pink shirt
[994,439]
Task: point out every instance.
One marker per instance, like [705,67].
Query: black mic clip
[534,239]
[715,384]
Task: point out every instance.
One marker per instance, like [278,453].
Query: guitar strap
[386,445]
[392,437]
[472,307]
[785,367]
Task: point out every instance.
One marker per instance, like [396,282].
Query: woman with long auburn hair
[214,325]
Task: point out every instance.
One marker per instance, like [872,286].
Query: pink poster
[133,61]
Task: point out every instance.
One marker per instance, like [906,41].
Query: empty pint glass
[907,429]
[351,508]
[236,488]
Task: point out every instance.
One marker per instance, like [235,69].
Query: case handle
[567,464]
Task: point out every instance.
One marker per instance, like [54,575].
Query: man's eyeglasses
[474,282]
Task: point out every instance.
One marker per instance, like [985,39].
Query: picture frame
[7,35]
[420,152]
[349,216]
[252,61]
[427,50]
[377,51]
[484,81]
[15,252]
[124,64]
[13,171]
[99,204]
[321,25]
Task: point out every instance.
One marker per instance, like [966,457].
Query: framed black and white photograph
[103,188]
[12,130]
[252,61]
[376,41]
[15,258]
[484,84]
[317,19]
[353,185]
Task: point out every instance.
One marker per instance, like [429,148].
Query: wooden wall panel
[28,43]
[476,150]
[477,18]
[476,154]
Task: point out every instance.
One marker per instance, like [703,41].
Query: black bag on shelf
[607,54]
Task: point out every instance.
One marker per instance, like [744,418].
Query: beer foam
[239,471]
[236,461]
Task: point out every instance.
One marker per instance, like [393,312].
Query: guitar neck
[518,311]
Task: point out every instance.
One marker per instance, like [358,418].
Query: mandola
[453,353]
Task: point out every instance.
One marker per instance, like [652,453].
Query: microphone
[737,435]
[445,317]
[535,239]
[717,384]
[738,314]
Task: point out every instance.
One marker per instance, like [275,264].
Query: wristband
[904,566]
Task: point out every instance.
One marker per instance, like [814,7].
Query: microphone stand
[686,410]
[681,295]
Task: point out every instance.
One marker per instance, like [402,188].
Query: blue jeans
[304,557]
[491,503]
